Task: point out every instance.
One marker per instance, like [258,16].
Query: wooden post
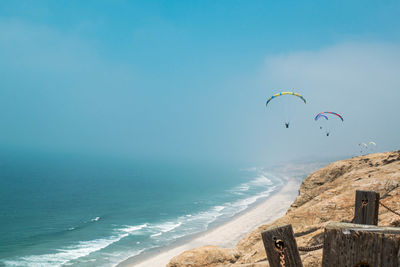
[355,245]
[366,207]
[281,247]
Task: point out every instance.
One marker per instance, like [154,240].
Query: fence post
[366,207]
[281,247]
[356,245]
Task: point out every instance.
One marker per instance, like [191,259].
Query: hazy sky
[188,80]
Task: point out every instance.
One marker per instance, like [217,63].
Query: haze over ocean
[128,125]
[98,212]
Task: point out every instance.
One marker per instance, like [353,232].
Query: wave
[243,204]
[169,226]
[56,234]
[261,181]
[133,229]
[67,254]
[83,224]
[243,187]
[219,208]
[157,234]
[95,219]
[164,228]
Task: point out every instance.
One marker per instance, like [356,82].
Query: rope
[281,251]
[311,248]
[389,209]
[312,230]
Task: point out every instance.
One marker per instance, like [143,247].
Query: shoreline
[226,234]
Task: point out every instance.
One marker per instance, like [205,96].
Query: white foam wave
[134,228]
[250,200]
[243,187]
[159,229]
[219,208]
[201,220]
[261,180]
[95,219]
[168,226]
[65,255]
[155,235]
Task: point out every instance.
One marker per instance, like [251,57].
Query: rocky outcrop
[325,195]
[206,256]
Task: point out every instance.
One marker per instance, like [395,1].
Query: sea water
[75,211]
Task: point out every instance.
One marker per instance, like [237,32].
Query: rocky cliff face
[325,195]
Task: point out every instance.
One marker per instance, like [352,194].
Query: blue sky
[188,80]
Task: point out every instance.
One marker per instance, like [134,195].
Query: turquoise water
[64,210]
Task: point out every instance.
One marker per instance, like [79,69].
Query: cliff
[325,195]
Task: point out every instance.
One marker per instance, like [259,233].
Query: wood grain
[353,245]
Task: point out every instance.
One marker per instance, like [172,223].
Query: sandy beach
[229,233]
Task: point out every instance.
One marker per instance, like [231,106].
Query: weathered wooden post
[366,207]
[356,245]
[281,247]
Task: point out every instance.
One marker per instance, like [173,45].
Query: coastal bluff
[326,195]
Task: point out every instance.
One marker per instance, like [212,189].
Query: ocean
[80,211]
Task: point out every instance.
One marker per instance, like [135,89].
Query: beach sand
[228,233]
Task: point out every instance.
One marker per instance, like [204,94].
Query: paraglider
[300,97]
[321,116]
[372,146]
[286,93]
[363,147]
[324,115]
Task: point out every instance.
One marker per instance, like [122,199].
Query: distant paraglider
[324,115]
[363,148]
[321,116]
[287,120]
[372,146]
[367,148]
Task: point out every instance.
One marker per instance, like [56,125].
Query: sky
[188,80]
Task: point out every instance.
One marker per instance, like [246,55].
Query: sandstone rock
[205,256]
